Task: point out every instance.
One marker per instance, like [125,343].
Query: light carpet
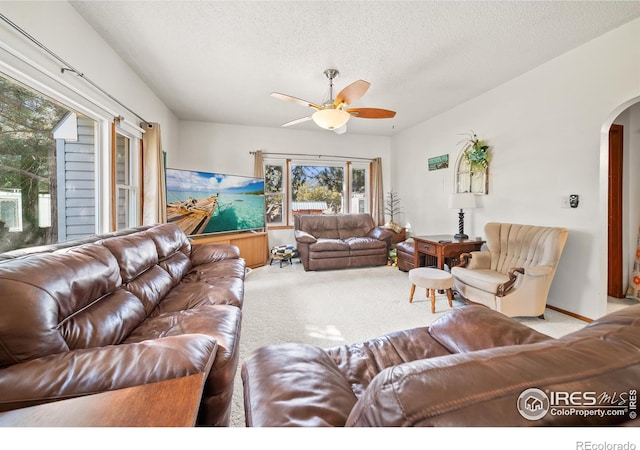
[337,307]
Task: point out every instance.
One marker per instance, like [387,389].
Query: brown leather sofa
[337,241]
[471,367]
[120,310]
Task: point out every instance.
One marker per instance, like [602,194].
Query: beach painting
[205,203]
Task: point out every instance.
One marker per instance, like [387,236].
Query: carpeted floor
[337,307]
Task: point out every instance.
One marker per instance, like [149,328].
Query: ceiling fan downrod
[331,74]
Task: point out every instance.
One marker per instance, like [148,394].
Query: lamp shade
[462,201]
[330,118]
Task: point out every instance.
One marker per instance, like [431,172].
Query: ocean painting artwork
[205,203]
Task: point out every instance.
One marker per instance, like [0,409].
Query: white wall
[63,31]
[544,128]
[222,148]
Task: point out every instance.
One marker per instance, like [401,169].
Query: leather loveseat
[120,310]
[471,367]
[336,241]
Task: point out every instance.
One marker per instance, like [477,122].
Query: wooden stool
[432,280]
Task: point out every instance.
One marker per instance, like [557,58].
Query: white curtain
[377,192]
[154,200]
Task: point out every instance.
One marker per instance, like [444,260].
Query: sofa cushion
[53,302]
[309,390]
[191,294]
[329,245]
[475,327]
[360,363]
[135,253]
[364,243]
[484,279]
[169,240]
[150,287]
[354,225]
[173,248]
[212,271]
[319,225]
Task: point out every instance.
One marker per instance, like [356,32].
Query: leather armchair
[514,274]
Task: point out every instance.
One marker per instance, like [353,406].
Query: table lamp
[462,201]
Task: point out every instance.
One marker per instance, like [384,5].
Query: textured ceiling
[218,61]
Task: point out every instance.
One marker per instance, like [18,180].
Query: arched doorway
[619,202]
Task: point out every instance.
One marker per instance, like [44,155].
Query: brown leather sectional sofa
[120,310]
[471,367]
[337,241]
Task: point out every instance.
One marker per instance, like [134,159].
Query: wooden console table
[440,248]
[252,246]
[170,403]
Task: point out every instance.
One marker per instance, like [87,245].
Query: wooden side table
[170,403]
[440,248]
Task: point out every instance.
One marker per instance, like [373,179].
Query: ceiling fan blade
[297,101]
[294,122]
[352,93]
[371,113]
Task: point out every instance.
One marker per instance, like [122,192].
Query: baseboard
[568,313]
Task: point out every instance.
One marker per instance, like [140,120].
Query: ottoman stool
[432,280]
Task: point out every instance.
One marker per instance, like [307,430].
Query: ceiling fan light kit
[330,119]
[332,115]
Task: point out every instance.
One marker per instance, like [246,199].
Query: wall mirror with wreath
[472,166]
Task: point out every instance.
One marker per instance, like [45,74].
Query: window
[274,193]
[470,178]
[47,169]
[358,191]
[317,189]
[126,159]
[298,187]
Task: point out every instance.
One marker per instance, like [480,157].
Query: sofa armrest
[304,237]
[480,259]
[380,233]
[90,371]
[475,327]
[527,274]
[206,253]
[294,385]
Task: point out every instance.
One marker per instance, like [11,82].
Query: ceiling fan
[334,114]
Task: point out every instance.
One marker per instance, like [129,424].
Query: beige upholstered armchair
[513,275]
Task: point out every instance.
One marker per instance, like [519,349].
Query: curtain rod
[67,67]
[316,156]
